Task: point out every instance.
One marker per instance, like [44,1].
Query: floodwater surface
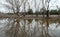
[30,28]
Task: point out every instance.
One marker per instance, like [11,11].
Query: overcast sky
[52,4]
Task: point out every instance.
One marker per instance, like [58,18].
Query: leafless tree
[47,20]
[15,5]
[43,7]
[35,4]
[29,5]
[46,7]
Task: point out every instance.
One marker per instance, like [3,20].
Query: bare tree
[29,5]
[46,7]
[15,7]
[43,7]
[47,20]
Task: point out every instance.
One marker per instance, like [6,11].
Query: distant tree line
[52,12]
[30,12]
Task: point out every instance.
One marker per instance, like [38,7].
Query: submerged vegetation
[30,20]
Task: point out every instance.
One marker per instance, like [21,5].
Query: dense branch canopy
[15,5]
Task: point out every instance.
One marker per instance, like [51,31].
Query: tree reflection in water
[28,28]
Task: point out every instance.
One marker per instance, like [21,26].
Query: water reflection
[29,28]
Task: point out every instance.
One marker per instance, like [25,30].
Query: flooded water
[30,28]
